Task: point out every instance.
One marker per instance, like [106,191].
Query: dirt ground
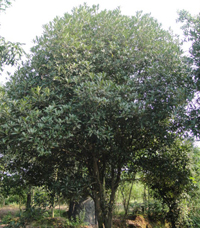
[8,210]
[14,209]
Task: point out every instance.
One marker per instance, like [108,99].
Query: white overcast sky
[23,21]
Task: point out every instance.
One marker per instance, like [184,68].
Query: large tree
[100,88]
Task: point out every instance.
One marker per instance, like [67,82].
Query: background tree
[194,203]
[191,29]
[125,189]
[100,89]
[169,175]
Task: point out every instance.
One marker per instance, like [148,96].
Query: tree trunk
[4,202]
[172,220]
[20,203]
[98,212]
[29,198]
[126,199]
[52,212]
[70,210]
[74,209]
[145,198]
[104,200]
[104,219]
[53,206]
[148,201]
[59,205]
[172,215]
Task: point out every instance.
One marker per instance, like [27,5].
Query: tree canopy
[99,89]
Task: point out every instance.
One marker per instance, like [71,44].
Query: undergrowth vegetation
[142,206]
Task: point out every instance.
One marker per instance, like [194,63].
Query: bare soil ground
[8,210]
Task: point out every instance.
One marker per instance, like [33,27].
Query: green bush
[13,199]
[16,224]
[194,217]
[76,223]
[35,214]
[7,218]
[12,222]
[60,213]
[195,221]
[26,217]
[41,199]
[157,211]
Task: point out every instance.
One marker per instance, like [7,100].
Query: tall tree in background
[99,89]
[191,29]
[169,175]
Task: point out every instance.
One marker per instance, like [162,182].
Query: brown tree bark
[29,198]
[104,200]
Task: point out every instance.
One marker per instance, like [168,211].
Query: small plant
[35,214]
[195,221]
[13,222]
[59,213]
[7,218]
[78,222]
[13,199]
[26,217]
[137,208]
[75,223]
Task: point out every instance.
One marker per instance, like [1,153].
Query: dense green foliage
[169,176]
[99,94]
